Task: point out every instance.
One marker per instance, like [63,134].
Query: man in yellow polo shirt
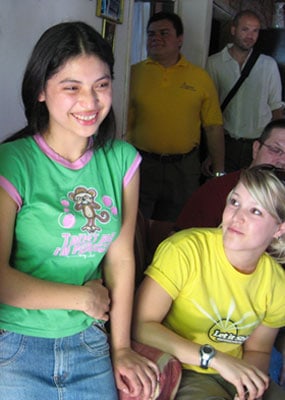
[170,99]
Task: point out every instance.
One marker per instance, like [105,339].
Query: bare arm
[258,348]
[119,270]
[148,329]
[21,290]
[134,374]
[216,146]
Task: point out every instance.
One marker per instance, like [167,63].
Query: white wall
[23,21]
[21,24]
[196,16]
[197,19]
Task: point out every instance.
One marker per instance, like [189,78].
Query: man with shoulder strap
[258,99]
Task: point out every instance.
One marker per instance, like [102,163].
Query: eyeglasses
[278,172]
[275,151]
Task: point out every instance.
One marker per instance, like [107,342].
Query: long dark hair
[55,47]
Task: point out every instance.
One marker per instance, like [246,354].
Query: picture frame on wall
[111,10]
[108,32]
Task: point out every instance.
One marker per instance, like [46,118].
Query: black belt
[241,140]
[167,158]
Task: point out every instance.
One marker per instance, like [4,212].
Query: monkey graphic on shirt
[84,200]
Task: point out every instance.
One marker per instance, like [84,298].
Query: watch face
[207,349]
[207,352]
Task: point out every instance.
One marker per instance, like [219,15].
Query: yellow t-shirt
[168,105]
[212,301]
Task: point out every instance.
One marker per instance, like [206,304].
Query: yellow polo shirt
[167,106]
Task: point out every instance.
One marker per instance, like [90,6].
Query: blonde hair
[266,184]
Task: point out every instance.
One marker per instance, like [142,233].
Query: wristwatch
[207,352]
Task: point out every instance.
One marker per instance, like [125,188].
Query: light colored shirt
[251,108]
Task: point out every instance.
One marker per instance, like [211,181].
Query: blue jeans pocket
[95,340]
[12,346]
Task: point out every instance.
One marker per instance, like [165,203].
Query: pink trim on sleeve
[132,170]
[12,191]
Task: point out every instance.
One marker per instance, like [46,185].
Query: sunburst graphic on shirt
[224,329]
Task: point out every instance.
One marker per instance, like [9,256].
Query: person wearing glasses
[205,206]
[219,294]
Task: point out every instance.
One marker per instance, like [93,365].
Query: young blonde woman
[219,294]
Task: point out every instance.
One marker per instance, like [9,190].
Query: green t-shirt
[68,215]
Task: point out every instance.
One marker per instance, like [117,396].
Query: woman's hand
[250,382]
[134,374]
[97,304]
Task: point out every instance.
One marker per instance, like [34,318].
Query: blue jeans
[275,365]
[76,367]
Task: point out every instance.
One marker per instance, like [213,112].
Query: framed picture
[108,32]
[110,9]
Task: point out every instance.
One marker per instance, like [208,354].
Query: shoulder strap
[244,74]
